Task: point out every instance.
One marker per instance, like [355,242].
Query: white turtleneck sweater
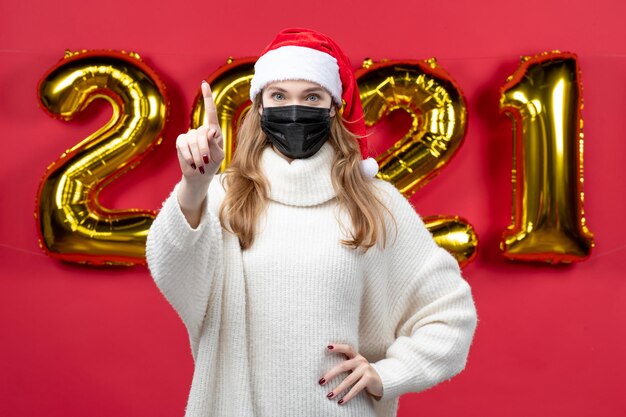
[259,320]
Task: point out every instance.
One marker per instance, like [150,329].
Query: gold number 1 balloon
[544,99]
[71,223]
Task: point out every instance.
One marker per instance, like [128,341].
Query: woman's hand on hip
[363,376]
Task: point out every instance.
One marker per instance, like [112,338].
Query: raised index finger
[210,112]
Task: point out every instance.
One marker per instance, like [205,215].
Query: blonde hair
[247,192]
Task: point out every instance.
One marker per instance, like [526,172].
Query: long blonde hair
[247,191]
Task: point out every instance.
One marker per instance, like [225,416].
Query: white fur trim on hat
[297,63]
[369,167]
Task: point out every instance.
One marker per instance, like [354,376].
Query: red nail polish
[330,346]
[201,169]
[322,381]
[193,166]
[330,394]
[340,401]
[205,158]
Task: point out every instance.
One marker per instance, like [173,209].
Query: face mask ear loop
[267,139]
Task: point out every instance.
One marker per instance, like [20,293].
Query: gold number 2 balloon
[544,99]
[72,225]
[438,111]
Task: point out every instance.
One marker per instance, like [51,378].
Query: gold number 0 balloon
[421,88]
[72,225]
[231,93]
[544,99]
[439,122]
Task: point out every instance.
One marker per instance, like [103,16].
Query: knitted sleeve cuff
[394,376]
[178,230]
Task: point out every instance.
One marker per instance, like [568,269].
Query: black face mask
[296,131]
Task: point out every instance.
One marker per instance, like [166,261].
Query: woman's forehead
[295,86]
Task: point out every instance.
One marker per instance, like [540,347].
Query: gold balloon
[437,109]
[231,93]
[454,234]
[72,225]
[544,100]
[439,122]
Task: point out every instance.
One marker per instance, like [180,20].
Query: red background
[103,341]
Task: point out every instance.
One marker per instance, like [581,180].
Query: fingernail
[193,166]
[322,381]
[330,394]
[330,347]
[203,81]
[205,158]
[340,401]
[201,169]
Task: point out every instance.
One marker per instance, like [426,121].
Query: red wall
[91,341]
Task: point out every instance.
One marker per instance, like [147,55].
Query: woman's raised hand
[200,154]
[201,150]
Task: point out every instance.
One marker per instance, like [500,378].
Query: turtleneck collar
[303,182]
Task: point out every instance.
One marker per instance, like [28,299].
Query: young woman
[308,286]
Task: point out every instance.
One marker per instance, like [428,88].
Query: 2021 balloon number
[543,98]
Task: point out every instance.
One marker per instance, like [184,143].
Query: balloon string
[439,57]
[18,249]
[608,252]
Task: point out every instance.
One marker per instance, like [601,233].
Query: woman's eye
[313,97]
[277,96]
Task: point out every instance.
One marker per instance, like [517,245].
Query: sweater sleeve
[430,304]
[184,261]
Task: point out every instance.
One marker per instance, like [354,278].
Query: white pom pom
[369,167]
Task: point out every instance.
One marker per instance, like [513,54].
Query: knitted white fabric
[259,320]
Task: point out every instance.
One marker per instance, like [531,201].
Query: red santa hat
[304,54]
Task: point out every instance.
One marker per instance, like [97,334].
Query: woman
[301,278]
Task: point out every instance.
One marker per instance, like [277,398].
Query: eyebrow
[308,90]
